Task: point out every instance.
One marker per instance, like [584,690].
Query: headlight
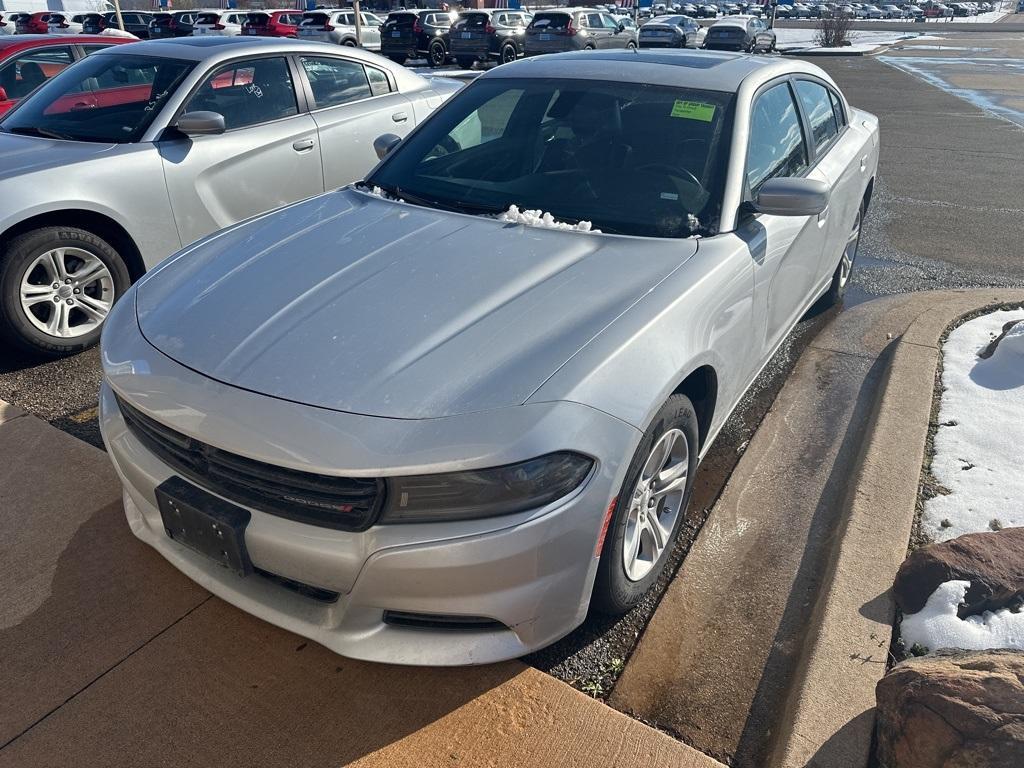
[482,493]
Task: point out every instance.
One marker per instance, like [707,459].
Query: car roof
[707,70]
[12,43]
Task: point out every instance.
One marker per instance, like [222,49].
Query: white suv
[219,23]
[340,27]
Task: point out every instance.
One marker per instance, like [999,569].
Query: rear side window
[22,75]
[336,81]
[837,108]
[820,114]
[776,145]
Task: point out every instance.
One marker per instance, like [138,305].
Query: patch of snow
[981,430]
[864,42]
[115,32]
[543,220]
[938,626]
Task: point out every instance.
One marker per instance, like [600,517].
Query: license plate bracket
[205,523]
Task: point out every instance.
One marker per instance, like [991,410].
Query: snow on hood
[355,303]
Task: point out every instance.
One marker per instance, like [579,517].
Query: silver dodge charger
[140,149]
[436,417]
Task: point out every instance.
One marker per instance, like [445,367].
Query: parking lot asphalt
[945,215]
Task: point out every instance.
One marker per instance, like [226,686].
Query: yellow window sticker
[694,110]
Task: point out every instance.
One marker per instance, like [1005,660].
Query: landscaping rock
[992,562]
[952,708]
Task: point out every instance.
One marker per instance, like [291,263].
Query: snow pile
[937,625]
[378,192]
[981,429]
[542,219]
[115,32]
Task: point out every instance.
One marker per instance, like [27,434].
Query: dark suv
[178,24]
[577,29]
[135,22]
[415,34]
[481,35]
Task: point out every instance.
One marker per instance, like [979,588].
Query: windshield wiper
[428,202]
[45,133]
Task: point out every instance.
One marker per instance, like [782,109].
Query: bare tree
[834,32]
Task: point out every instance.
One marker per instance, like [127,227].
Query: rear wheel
[57,285]
[508,53]
[841,277]
[588,47]
[349,43]
[630,46]
[650,508]
[437,55]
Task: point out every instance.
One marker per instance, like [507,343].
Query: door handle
[400,117]
[304,145]
[863,163]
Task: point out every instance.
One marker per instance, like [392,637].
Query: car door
[597,31]
[841,159]
[352,104]
[786,249]
[268,157]
[369,35]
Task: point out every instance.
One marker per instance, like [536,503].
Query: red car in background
[272,23]
[28,61]
[36,24]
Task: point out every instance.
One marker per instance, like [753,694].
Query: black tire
[614,592]
[465,62]
[588,47]
[15,327]
[437,54]
[507,54]
[399,60]
[841,277]
[630,46]
[349,43]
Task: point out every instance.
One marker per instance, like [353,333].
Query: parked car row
[887,11]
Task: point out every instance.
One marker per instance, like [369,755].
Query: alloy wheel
[849,253]
[656,502]
[67,292]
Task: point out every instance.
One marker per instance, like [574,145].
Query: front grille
[340,503]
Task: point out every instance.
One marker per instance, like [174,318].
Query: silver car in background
[339,27]
[459,425]
[143,148]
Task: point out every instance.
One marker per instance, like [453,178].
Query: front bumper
[531,572]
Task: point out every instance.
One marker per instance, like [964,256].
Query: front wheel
[57,285]
[841,277]
[650,507]
[436,54]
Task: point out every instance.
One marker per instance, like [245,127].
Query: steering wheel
[672,170]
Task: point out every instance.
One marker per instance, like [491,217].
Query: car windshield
[104,98]
[630,158]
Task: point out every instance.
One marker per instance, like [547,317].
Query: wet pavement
[946,214]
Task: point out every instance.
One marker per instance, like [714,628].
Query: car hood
[355,303]
[24,154]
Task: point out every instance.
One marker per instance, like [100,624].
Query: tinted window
[247,93]
[818,107]
[837,108]
[379,84]
[776,145]
[630,158]
[545,21]
[335,81]
[23,74]
[71,106]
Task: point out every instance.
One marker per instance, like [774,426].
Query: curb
[829,715]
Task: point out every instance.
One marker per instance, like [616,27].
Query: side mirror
[383,145]
[3,95]
[792,197]
[201,123]
[622,27]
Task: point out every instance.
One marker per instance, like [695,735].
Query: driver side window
[776,146]
[247,93]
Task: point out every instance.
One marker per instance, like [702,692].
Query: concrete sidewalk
[110,657]
[777,626]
